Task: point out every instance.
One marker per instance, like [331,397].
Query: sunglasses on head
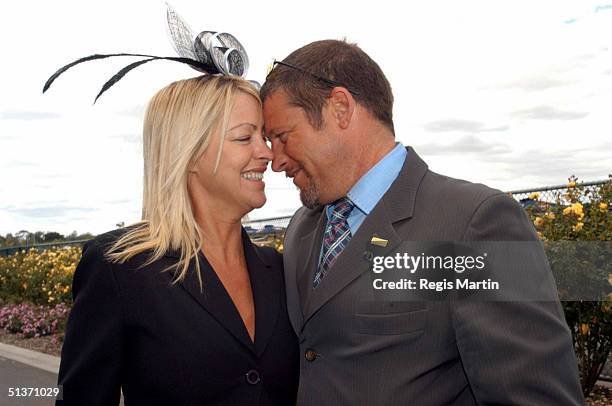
[320,78]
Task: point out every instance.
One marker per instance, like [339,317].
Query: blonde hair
[178,127]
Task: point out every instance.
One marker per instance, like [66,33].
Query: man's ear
[342,106]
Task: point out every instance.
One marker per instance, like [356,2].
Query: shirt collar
[371,187]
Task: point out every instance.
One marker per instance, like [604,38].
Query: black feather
[85,59]
[121,74]
[203,67]
[191,62]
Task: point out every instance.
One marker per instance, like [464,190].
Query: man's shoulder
[457,192]
[443,185]
[443,199]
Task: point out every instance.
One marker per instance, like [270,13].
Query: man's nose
[280,160]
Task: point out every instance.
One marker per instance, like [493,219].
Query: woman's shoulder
[104,241]
[99,246]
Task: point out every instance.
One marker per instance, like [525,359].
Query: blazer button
[310,355]
[252,377]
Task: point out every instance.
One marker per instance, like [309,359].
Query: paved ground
[22,368]
[16,375]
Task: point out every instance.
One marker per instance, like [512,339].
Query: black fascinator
[210,52]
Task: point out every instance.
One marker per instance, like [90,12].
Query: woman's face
[237,186]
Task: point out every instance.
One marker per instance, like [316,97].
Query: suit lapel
[215,300]
[266,287]
[396,205]
[355,259]
[309,249]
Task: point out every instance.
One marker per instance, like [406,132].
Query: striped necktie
[336,238]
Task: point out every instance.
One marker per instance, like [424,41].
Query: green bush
[582,269]
[39,277]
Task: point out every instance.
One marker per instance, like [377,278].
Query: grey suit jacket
[356,351]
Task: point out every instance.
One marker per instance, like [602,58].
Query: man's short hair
[331,60]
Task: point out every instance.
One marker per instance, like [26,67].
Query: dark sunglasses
[320,78]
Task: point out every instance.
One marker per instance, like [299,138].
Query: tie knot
[341,209]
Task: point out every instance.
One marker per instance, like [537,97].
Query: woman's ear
[342,105]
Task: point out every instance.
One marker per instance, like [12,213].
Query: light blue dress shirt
[368,191]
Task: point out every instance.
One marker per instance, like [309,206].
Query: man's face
[305,154]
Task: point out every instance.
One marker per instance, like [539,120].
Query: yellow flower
[538,222]
[534,196]
[550,216]
[577,207]
[603,207]
[584,329]
[578,226]
[540,236]
[571,184]
[610,279]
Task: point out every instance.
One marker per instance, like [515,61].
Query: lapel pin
[381,242]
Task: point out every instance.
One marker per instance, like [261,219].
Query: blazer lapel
[355,259]
[214,298]
[266,287]
[309,249]
[396,205]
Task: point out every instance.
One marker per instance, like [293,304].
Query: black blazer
[165,344]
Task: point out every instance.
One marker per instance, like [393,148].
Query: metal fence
[6,251]
[271,224]
[551,194]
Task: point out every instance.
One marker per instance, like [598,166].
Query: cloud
[537,83]
[52,175]
[571,21]
[47,211]
[132,138]
[21,164]
[27,115]
[603,8]
[466,145]
[461,125]
[553,167]
[135,111]
[569,71]
[549,113]
[119,201]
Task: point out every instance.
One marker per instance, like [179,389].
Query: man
[328,114]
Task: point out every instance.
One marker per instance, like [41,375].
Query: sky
[513,94]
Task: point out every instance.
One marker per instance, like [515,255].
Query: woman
[181,308]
